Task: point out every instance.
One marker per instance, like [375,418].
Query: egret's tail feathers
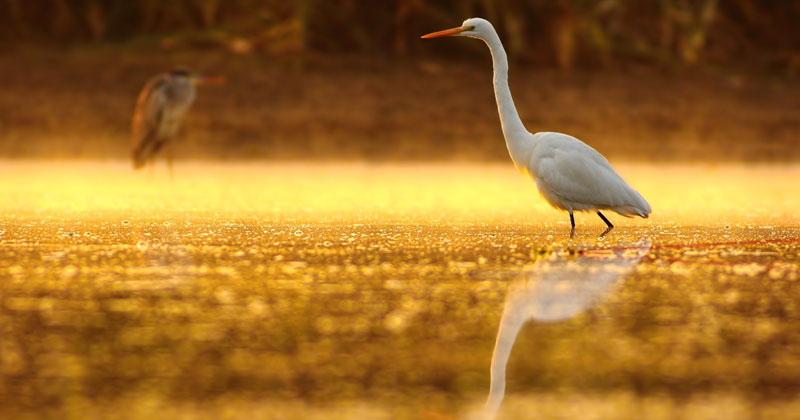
[626,211]
[642,210]
[638,207]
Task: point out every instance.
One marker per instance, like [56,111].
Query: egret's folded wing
[578,173]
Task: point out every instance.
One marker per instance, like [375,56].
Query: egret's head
[473,28]
[183,73]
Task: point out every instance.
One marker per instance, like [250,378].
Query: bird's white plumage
[573,176]
[569,174]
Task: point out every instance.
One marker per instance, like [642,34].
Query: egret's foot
[608,229]
[605,232]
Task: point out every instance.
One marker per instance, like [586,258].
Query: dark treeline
[564,32]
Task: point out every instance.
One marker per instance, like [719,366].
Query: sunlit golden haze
[345,237]
[388,193]
[375,291]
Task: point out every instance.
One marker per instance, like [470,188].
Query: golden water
[315,290]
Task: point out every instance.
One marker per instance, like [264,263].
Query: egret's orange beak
[446,32]
[210,80]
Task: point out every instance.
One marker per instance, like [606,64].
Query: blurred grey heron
[160,108]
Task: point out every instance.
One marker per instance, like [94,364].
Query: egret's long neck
[515,133]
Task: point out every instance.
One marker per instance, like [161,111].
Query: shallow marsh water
[349,290]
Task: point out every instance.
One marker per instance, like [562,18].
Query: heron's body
[160,110]
[569,174]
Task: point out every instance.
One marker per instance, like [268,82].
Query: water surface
[348,290]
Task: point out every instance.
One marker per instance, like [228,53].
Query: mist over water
[58,106]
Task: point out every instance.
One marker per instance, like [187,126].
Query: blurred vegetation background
[564,32]
[654,79]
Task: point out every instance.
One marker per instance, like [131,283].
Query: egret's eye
[469,28]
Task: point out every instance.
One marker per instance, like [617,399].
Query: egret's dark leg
[610,226]
[572,222]
[604,219]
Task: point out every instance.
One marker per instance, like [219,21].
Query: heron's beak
[203,80]
[446,32]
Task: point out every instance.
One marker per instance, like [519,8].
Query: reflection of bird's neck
[517,137]
[510,324]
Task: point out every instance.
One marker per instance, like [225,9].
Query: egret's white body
[569,174]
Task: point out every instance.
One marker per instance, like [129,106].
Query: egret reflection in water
[556,288]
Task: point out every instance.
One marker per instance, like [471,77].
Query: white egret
[569,174]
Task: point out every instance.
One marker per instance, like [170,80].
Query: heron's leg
[572,222]
[170,153]
[610,226]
